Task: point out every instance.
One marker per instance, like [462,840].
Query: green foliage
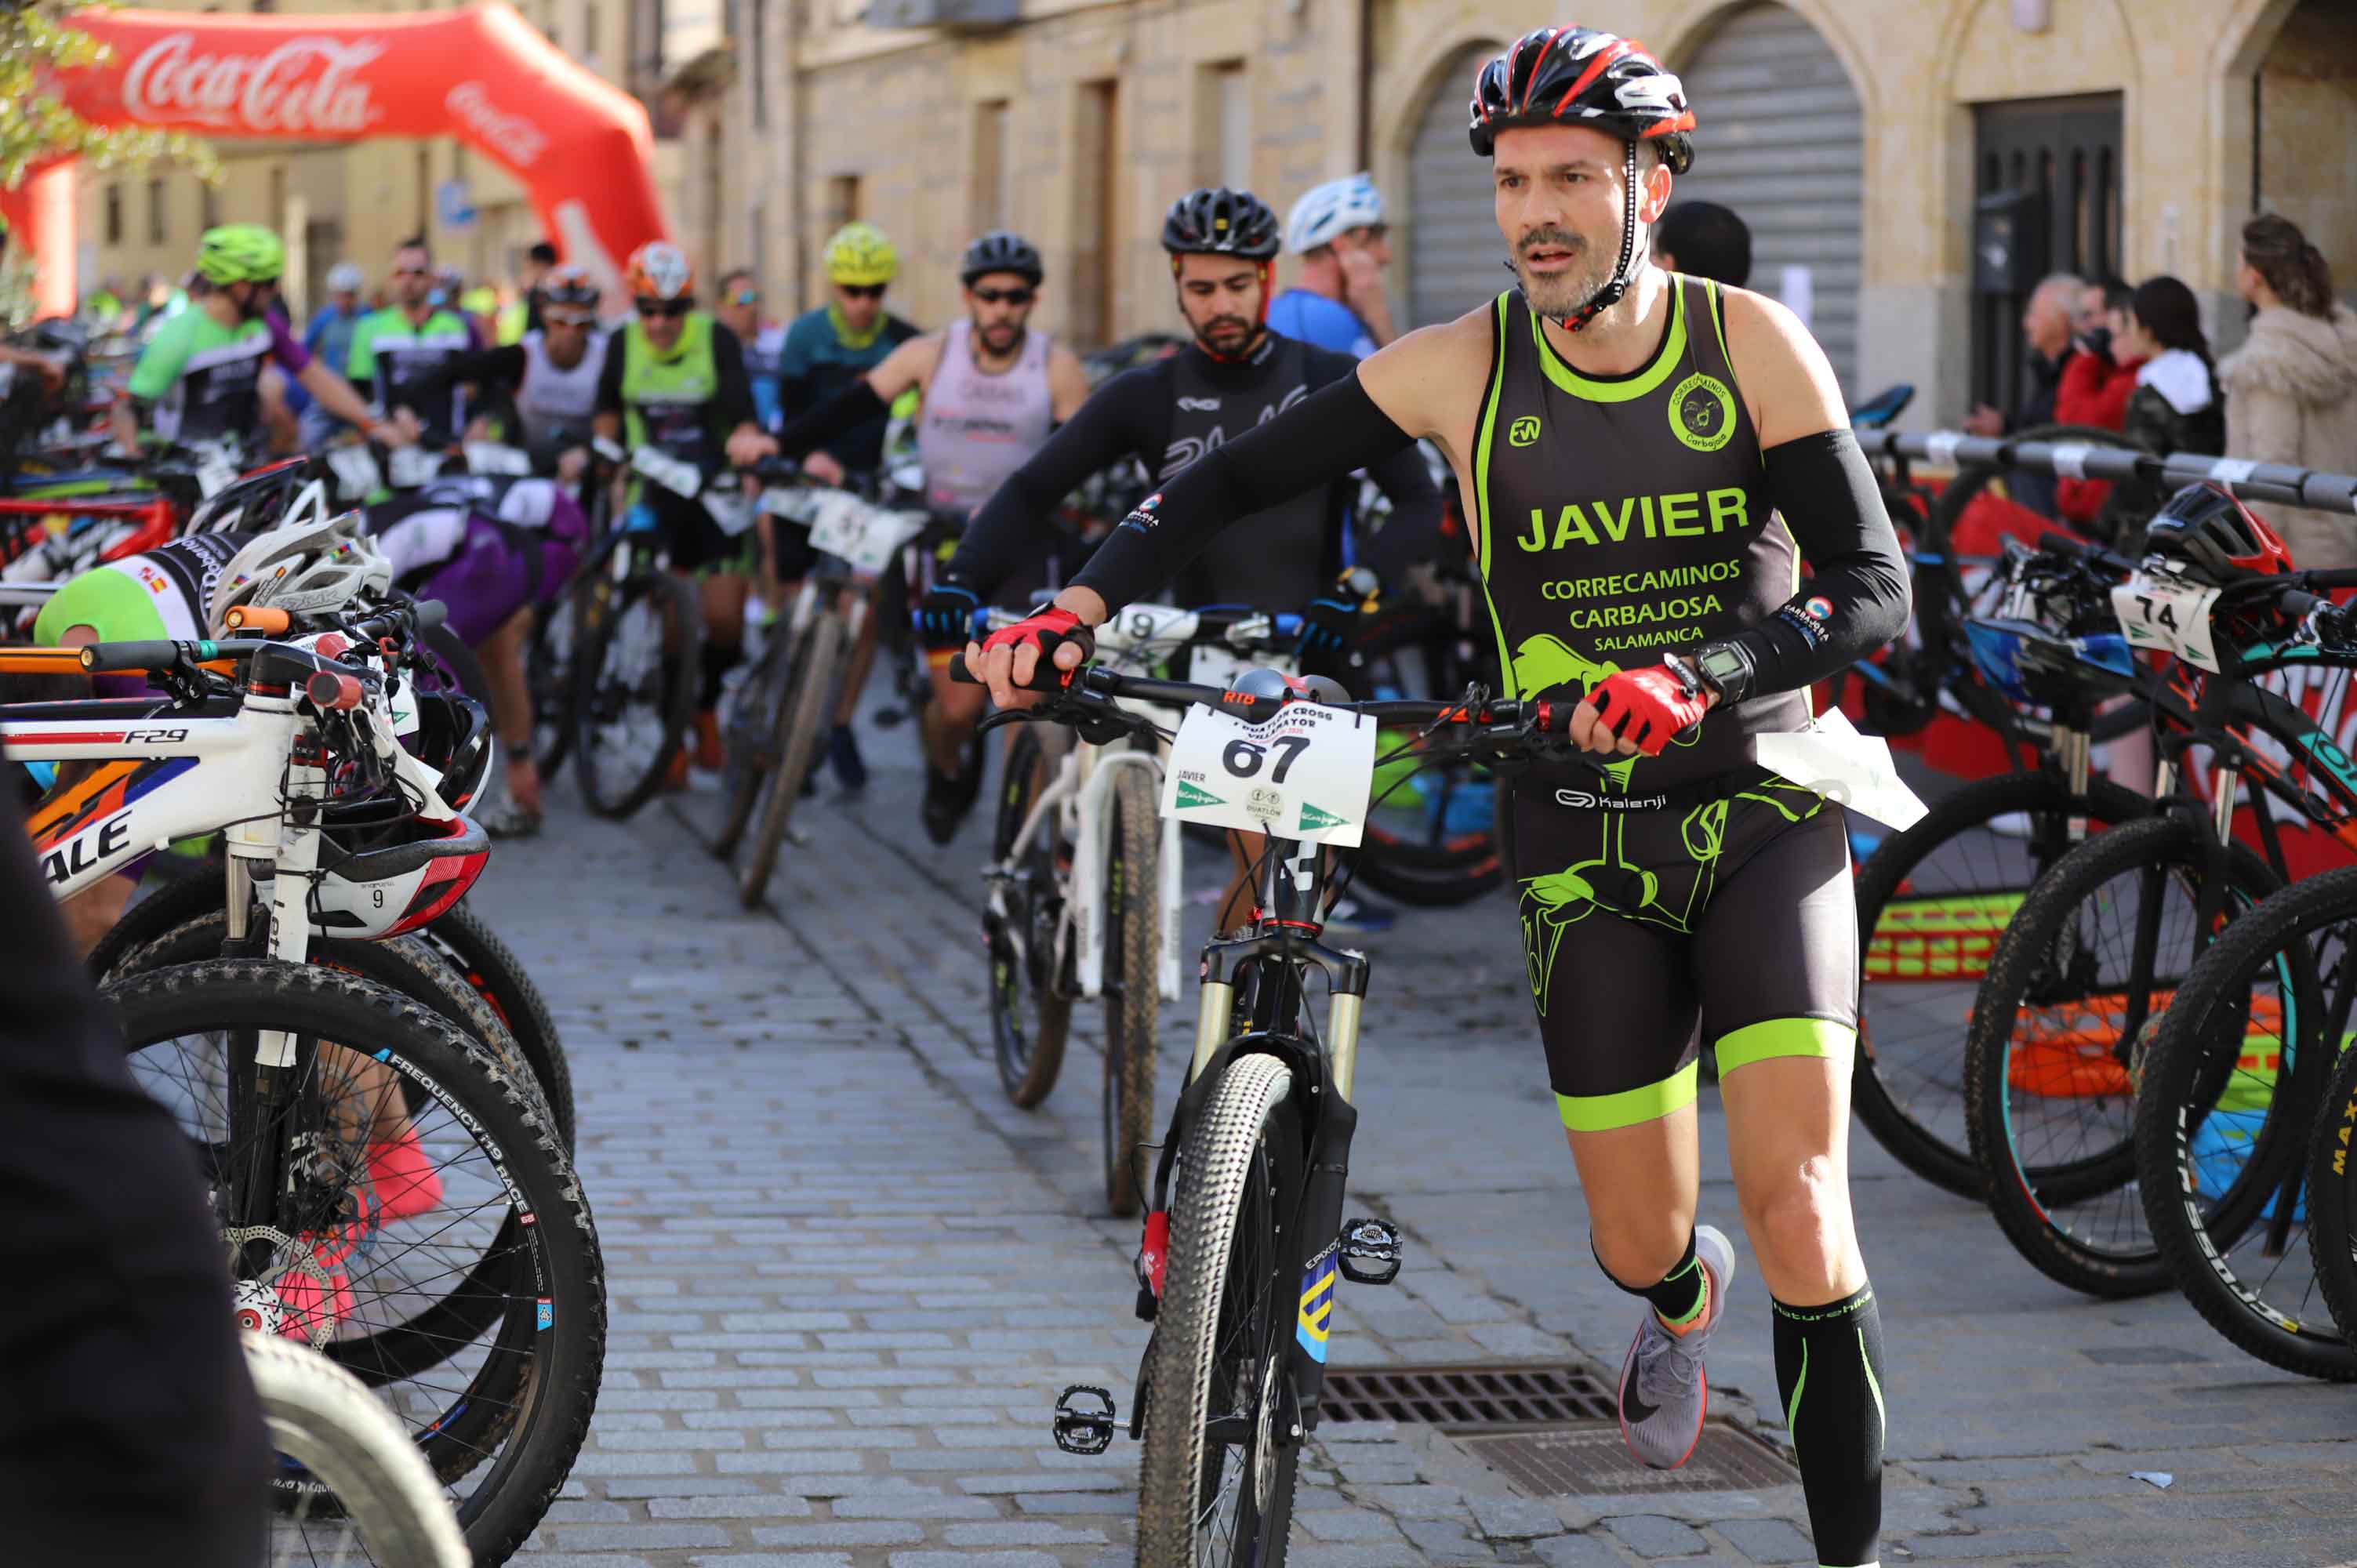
[36,41]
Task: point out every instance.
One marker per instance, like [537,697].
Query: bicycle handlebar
[1097,679]
[121,657]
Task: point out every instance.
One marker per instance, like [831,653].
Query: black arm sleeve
[610,376]
[732,401]
[1102,432]
[1412,532]
[1828,498]
[1318,440]
[851,407]
[487,368]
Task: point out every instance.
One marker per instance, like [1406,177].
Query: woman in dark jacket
[2175,407]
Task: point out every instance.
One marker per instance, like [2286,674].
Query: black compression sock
[1829,1369]
[1682,1294]
[717,661]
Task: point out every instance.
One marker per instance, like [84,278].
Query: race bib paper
[493,457]
[866,535]
[1142,628]
[1305,774]
[414,466]
[680,477]
[356,470]
[215,472]
[1831,758]
[2163,613]
[731,512]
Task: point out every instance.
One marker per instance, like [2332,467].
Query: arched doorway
[1781,142]
[1455,258]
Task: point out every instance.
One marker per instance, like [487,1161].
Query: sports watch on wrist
[1725,667]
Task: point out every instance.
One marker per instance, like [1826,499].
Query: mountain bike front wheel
[366,1482]
[1030,1001]
[1132,924]
[2332,1197]
[1217,1480]
[806,714]
[634,683]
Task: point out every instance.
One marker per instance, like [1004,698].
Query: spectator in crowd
[329,337]
[738,306]
[1706,240]
[2094,391]
[2291,387]
[1340,231]
[521,315]
[2046,325]
[2175,406]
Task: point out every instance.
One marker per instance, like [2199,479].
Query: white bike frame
[1085,778]
[266,747]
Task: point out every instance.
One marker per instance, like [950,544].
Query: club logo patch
[1702,413]
[1523,432]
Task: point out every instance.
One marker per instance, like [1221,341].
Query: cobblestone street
[848,1277]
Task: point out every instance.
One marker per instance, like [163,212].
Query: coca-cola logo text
[304,84]
[511,135]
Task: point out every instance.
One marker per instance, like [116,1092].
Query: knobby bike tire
[487,965]
[549,663]
[608,792]
[749,738]
[1228,1168]
[545,1379]
[1133,999]
[2023,1199]
[1030,1052]
[807,711]
[2193,1062]
[2332,1197]
[326,1421]
[458,663]
[1899,1116]
[480,957]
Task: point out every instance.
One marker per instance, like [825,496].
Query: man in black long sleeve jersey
[1235,376]
[1650,458]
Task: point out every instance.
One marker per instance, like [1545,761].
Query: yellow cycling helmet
[240,252]
[860,256]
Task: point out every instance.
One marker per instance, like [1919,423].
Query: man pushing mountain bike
[1650,459]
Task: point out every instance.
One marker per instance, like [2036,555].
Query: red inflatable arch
[483,74]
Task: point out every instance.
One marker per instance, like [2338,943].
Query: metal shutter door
[1781,142]
[1454,258]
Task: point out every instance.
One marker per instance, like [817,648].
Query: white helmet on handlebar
[305,570]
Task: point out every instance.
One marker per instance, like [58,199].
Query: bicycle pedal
[1084,1426]
[1371,1252]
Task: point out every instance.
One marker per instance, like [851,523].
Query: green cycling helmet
[240,252]
[859,256]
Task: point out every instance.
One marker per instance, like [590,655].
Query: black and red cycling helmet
[1579,76]
[1221,221]
[2204,525]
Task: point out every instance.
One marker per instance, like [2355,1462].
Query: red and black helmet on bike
[1579,76]
[2205,525]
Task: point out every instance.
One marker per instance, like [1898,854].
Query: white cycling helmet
[346,277]
[305,570]
[1328,211]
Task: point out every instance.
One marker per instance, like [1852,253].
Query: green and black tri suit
[1619,519]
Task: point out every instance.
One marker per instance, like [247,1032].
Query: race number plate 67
[2161,612]
[1305,774]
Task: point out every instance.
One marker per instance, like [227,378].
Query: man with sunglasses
[675,379]
[394,351]
[548,380]
[199,378]
[1236,375]
[738,309]
[828,348]
[992,389]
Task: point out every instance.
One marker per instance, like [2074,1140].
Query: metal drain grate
[1457,1398]
[1591,1460]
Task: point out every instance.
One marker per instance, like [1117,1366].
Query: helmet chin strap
[1605,298]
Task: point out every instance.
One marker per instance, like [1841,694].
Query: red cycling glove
[1046,630]
[1648,706]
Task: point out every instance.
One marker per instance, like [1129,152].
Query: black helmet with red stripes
[1579,76]
[2205,525]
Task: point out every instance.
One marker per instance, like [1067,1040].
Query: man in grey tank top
[991,390]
